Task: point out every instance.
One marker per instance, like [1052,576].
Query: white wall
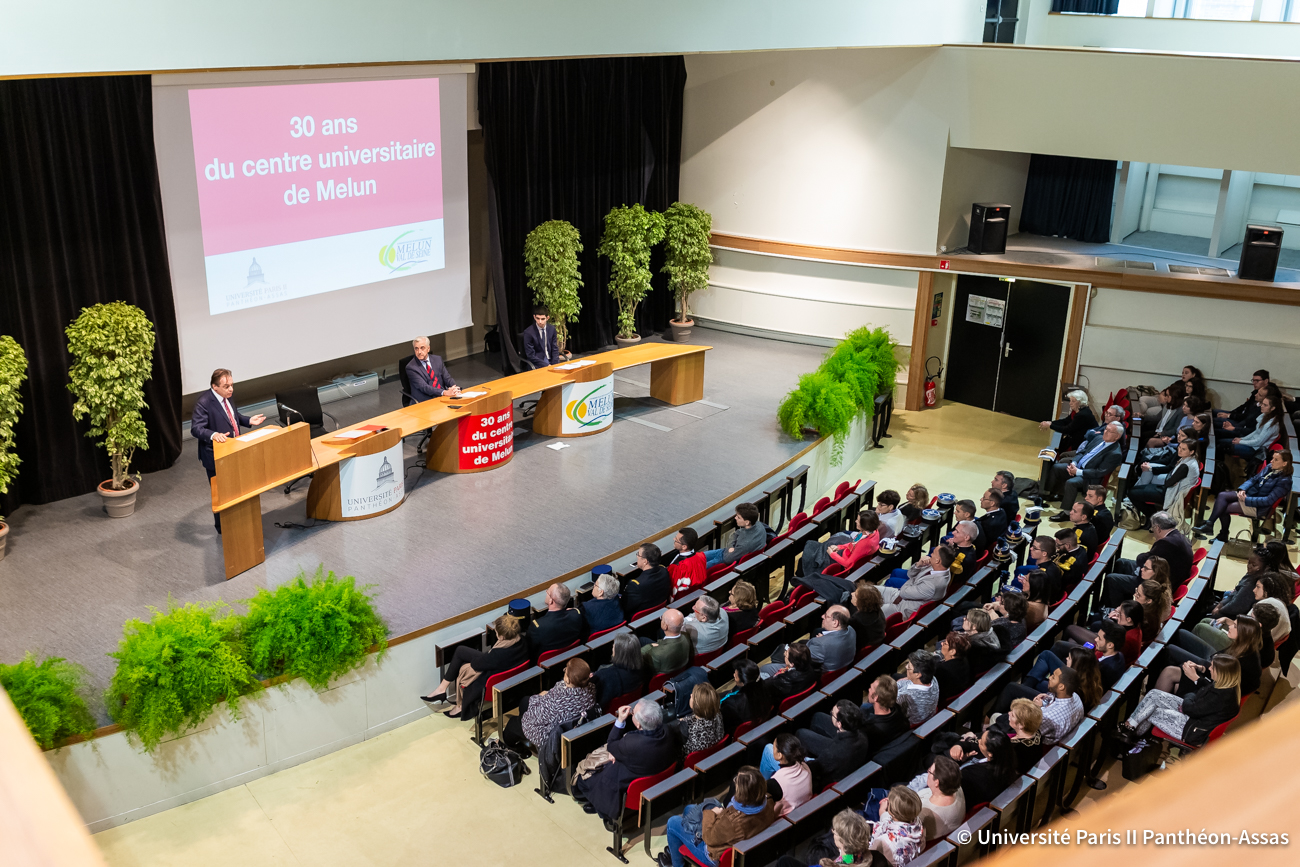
[971,176]
[1141,338]
[160,35]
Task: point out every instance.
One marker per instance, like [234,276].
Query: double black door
[1004,353]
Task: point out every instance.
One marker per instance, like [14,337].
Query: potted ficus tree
[13,370]
[551,268]
[630,234]
[687,260]
[113,348]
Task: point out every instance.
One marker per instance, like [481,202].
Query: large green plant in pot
[48,696]
[174,668]
[13,370]
[824,404]
[551,268]
[687,255]
[630,234]
[113,347]
[315,631]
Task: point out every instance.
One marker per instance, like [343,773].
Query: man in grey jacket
[835,648]
[707,625]
[927,580]
[751,537]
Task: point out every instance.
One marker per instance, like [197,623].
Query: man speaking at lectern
[429,378]
[215,418]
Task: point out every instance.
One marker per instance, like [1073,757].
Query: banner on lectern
[369,484]
[588,406]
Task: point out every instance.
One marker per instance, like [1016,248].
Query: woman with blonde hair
[1217,700]
[1072,427]
[1189,654]
[741,608]
[466,675]
[918,498]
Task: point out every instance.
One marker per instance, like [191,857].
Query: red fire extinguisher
[931,389]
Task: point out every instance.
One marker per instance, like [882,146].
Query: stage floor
[72,576]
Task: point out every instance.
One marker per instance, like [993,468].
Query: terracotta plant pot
[4,538]
[681,330]
[119,504]
[627,341]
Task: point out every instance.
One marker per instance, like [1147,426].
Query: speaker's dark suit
[539,350]
[423,386]
[210,418]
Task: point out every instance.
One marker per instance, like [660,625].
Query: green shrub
[551,268]
[315,631]
[13,370]
[821,402]
[173,669]
[687,254]
[48,697]
[630,234]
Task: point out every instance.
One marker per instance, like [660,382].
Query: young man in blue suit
[540,345]
[429,377]
[215,419]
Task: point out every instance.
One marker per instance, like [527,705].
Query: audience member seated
[559,626]
[1107,648]
[884,719]
[1230,423]
[1216,700]
[538,714]
[702,727]
[1010,608]
[670,653]
[848,842]
[1023,724]
[467,673]
[1061,704]
[624,673]
[649,586]
[1038,598]
[795,675]
[750,538]
[1195,382]
[783,761]
[1275,590]
[1189,656]
[988,770]
[1004,482]
[1214,631]
[1042,552]
[918,691]
[707,625]
[603,610]
[953,669]
[1253,498]
[541,346]
[741,609]
[943,804]
[977,626]
[645,748]
[1081,517]
[927,581]
[1241,598]
[844,549]
[748,813]
[1070,557]
[918,500]
[867,622]
[1155,491]
[749,701]
[686,565]
[834,648]
[1253,445]
[1073,426]
[835,742]
[1169,544]
[891,519]
[994,522]
[1095,460]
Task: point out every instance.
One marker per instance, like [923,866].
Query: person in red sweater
[843,548]
[686,565]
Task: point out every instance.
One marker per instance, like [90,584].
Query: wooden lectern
[246,466]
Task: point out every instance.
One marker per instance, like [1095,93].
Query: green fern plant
[173,669]
[48,696]
[315,631]
[823,403]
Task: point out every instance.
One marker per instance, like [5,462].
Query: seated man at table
[427,374]
[559,626]
[649,586]
[540,346]
[751,537]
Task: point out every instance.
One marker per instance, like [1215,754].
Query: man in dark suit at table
[215,419]
[429,377]
[540,345]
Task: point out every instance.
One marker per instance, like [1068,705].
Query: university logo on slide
[588,406]
[404,253]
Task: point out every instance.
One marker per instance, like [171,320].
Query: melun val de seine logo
[593,409]
[403,252]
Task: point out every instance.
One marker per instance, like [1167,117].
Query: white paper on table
[557,446]
[257,434]
[472,393]
[353,434]
[573,365]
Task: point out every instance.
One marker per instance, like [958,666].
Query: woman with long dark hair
[748,702]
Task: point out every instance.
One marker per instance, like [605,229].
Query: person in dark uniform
[1084,531]
[215,419]
[649,586]
[1102,519]
[558,627]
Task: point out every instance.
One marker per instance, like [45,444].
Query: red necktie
[230,414]
[432,377]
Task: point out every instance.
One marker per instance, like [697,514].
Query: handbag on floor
[1239,547]
[1142,759]
[502,766]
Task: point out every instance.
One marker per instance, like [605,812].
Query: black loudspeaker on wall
[1259,252]
[988,227]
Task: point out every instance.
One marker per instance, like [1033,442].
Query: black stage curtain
[569,140]
[1070,197]
[80,223]
[1097,7]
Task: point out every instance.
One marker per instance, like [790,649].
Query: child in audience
[897,832]
[891,517]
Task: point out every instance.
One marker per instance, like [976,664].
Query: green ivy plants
[48,696]
[13,370]
[551,269]
[113,347]
[630,234]
[315,631]
[687,253]
[173,669]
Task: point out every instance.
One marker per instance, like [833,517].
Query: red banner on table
[487,440]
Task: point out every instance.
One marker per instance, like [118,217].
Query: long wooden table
[248,467]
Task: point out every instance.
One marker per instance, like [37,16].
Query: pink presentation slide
[308,188]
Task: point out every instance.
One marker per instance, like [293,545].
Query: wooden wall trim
[920,334]
[1074,336]
[1190,285]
